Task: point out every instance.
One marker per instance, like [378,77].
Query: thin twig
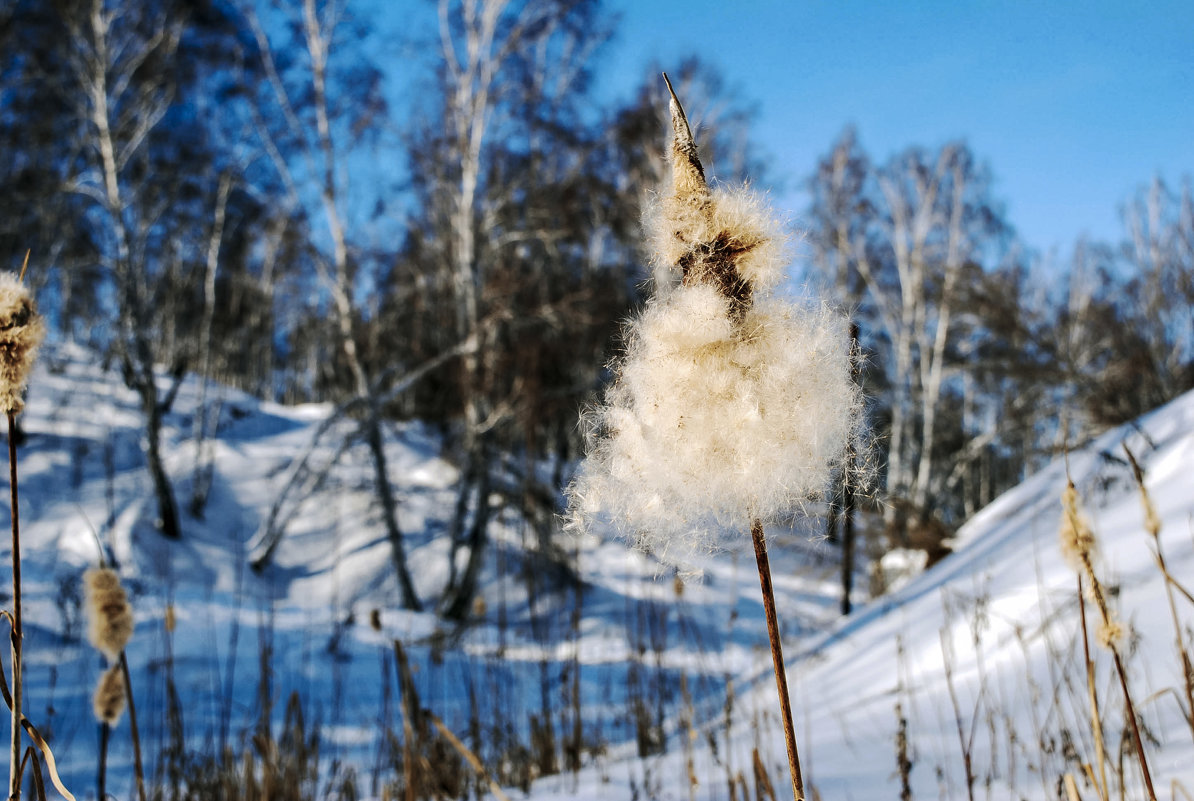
[777,656]
[14,765]
[1096,723]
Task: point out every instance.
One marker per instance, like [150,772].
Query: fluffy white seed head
[730,404]
[712,423]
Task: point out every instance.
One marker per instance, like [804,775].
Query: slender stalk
[1096,723]
[1130,710]
[102,774]
[777,656]
[14,765]
[128,690]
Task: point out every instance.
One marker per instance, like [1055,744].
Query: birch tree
[899,240]
[120,56]
[302,131]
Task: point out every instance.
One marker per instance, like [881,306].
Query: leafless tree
[120,55]
[298,125]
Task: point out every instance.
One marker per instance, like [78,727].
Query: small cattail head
[21,332]
[108,701]
[109,616]
[1078,543]
[1111,634]
[1152,521]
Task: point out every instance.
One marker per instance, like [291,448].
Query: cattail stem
[777,656]
[102,773]
[1130,711]
[14,765]
[128,689]
[1096,723]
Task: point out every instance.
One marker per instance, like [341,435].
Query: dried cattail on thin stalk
[1078,544]
[732,404]
[21,332]
[109,698]
[109,616]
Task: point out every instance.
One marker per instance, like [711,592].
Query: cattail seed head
[730,403]
[109,616]
[21,332]
[1152,521]
[108,701]
[1111,634]
[1078,543]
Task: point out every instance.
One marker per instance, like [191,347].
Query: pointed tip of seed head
[684,149]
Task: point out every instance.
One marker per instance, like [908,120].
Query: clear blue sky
[1073,105]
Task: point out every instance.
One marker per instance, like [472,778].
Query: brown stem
[777,656]
[101,778]
[14,765]
[128,692]
[1096,722]
[1130,709]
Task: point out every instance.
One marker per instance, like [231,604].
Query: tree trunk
[460,602]
[385,495]
[167,508]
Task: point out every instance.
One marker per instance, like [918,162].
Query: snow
[1003,608]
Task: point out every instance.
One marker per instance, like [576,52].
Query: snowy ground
[1003,608]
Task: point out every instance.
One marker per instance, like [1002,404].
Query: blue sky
[1072,105]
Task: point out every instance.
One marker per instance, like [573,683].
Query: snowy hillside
[997,620]
[327,608]
[659,688]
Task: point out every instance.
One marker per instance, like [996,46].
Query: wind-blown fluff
[730,403]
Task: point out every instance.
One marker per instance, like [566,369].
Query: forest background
[433,213]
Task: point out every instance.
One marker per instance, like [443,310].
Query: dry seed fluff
[730,402]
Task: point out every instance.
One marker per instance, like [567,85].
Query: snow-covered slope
[313,609]
[649,664]
[999,622]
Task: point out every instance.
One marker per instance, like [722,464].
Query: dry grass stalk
[31,730]
[1096,721]
[764,790]
[1071,788]
[1152,524]
[138,768]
